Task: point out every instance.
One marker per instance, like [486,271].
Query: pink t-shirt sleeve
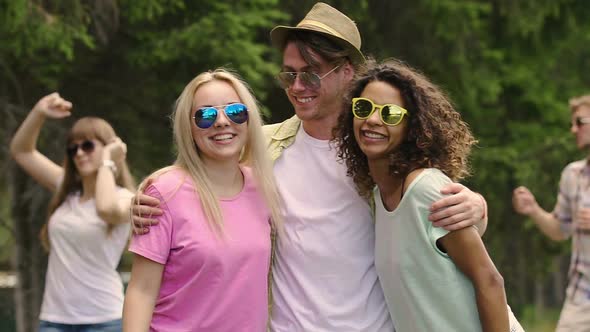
[156,244]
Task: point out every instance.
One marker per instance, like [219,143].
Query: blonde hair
[253,155]
[85,128]
[576,102]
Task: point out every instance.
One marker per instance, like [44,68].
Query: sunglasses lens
[87,146]
[286,79]
[71,150]
[362,108]
[391,115]
[238,113]
[205,117]
[310,80]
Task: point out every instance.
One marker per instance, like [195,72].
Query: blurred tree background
[509,65]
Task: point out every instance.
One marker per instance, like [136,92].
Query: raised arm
[111,207]
[462,208]
[524,203]
[469,254]
[23,146]
[142,293]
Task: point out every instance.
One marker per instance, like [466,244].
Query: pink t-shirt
[209,283]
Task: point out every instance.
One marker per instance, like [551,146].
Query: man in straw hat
[323,273]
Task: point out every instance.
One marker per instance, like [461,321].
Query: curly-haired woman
[402,142]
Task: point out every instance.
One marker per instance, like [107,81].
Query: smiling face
[224,140]
[87,162]
[582,132]
[314,104]
[374,138]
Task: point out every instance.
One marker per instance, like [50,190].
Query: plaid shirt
[574,193]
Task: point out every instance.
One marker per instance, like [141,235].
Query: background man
[570,217]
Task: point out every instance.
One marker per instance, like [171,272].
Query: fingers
[54,106]
[453,214]
[142,225]
[115,140]
[447,202]
[140,231]
[583,218]
[143,199]
[61,104]
[453,188]
[123,146]
[457,211]
[521,192]
[142,215]
[56,102]
[116,143]
[443,220]
[145,211]
[523,201]
[458,225]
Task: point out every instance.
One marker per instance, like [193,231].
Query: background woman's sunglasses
[390,114]
[87,146]
[205,117]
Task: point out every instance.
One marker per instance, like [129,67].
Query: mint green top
[424,289]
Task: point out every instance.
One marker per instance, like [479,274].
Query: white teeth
[373,135]
[304,100]
[223,137]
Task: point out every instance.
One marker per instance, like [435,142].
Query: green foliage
[195,36]
[38,40]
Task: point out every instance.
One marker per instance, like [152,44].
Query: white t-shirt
[82,285]
[324,276]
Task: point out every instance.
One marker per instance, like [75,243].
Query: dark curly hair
[436,136]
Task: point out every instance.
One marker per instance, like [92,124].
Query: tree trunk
[539,296]
[28,213]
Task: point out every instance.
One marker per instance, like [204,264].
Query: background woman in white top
[88,223]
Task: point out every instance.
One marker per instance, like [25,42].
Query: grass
[539,320]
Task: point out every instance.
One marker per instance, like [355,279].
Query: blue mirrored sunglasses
[205,117]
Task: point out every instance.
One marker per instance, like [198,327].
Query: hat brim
[279,34]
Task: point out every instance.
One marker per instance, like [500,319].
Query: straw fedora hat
[327,21]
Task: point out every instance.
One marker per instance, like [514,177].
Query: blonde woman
[88,223]
[205,267]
